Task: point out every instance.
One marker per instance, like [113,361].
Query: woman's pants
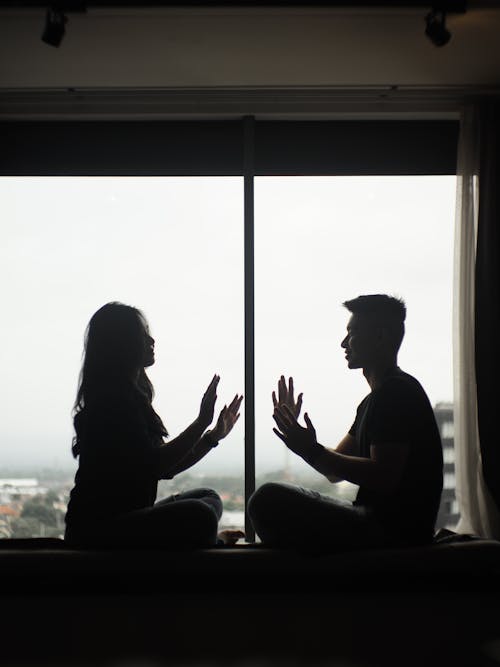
[182,521]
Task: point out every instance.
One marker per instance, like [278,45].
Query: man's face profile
[360,343]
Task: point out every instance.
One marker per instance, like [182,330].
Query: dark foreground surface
[249,606]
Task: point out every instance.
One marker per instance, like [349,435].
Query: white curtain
[478,513]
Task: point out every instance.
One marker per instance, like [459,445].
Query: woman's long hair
[113,366]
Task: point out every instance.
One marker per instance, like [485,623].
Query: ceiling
[268,54]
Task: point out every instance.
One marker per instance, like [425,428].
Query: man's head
[375,329]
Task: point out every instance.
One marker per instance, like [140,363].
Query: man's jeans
[292,517]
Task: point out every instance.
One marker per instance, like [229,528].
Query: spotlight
[55,26]
[435,28]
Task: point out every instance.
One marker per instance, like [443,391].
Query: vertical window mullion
[249,170]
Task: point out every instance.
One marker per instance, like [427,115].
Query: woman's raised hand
[228,417]
[285,397]
[207,406]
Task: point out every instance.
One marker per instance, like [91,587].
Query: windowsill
[198,607]
[44,566]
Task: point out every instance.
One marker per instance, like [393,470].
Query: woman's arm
[193,444]
[173,466]
[172,452]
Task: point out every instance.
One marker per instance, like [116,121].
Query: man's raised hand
[286,397]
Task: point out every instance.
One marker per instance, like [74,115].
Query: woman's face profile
[149,348]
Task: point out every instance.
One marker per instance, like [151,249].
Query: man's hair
[385,311]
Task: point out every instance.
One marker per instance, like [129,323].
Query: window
[170,246]
[286,158]
[320,241]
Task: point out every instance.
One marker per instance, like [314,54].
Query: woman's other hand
[286,397]
[228,417]
[207,406]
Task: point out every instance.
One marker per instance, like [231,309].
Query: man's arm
[381,472]
[348,447]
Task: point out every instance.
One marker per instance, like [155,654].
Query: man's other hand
[300,440]
[286,397]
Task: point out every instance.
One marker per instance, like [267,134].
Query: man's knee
[265,499]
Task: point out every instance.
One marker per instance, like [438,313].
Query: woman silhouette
[121,449]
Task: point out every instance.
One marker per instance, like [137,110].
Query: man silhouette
[392,451]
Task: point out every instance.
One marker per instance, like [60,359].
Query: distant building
[20,488]
[21,482]
[448,515]
[7,513]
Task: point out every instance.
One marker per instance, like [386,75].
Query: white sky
[174,248]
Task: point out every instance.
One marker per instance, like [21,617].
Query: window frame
[245,146]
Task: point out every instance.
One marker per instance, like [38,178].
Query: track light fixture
[55,26]
[56,19]
[435,27]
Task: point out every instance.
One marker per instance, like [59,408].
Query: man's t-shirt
[399,412]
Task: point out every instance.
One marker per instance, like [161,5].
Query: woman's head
[117,341]
[118,346]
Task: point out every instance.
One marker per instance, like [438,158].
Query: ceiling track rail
[228,102]
[454,6]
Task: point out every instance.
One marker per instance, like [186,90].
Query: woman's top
[119,463]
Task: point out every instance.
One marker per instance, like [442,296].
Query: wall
[248,47]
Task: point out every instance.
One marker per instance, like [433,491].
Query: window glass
[320,241]
[173,247]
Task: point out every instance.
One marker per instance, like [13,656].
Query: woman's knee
[201,521]
[202,492]
[213,500]
[210,497]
